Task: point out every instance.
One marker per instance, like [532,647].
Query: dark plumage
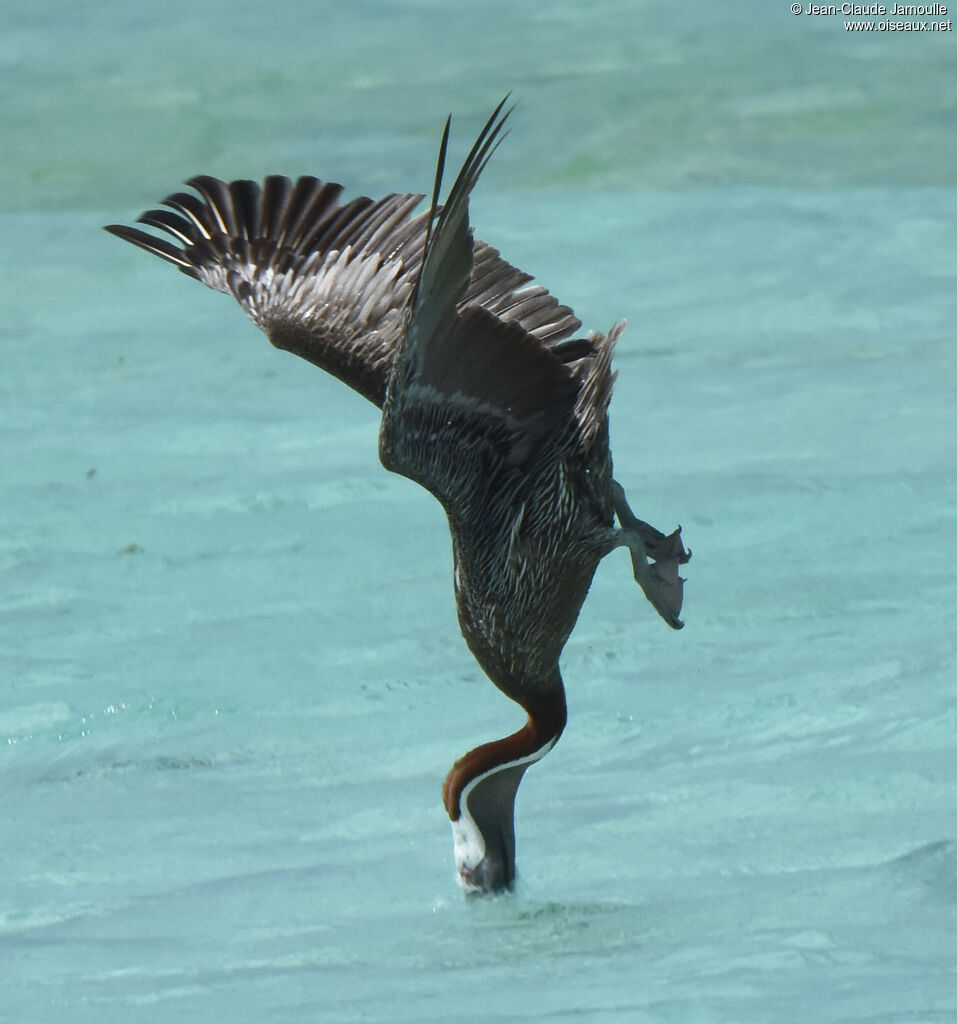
[486,402]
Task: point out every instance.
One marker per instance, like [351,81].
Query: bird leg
[654,556]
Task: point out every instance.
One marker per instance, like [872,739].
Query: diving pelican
[486,401]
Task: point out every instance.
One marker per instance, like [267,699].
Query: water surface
[231,680]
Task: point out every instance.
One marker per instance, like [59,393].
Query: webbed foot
[655,558]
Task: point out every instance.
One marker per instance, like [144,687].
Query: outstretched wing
[324,281]
[473,394]
[330,283]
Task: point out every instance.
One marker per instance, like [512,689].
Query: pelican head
[479,795]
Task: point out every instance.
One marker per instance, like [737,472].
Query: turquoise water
[231,680]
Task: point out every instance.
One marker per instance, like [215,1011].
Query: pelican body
[487,402]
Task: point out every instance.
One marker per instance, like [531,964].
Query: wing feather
[331,281]
[471,380]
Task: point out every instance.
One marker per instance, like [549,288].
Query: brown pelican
[486,402]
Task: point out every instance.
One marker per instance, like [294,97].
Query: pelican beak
[484,833]
[493,871]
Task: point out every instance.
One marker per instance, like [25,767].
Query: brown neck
[543,727]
